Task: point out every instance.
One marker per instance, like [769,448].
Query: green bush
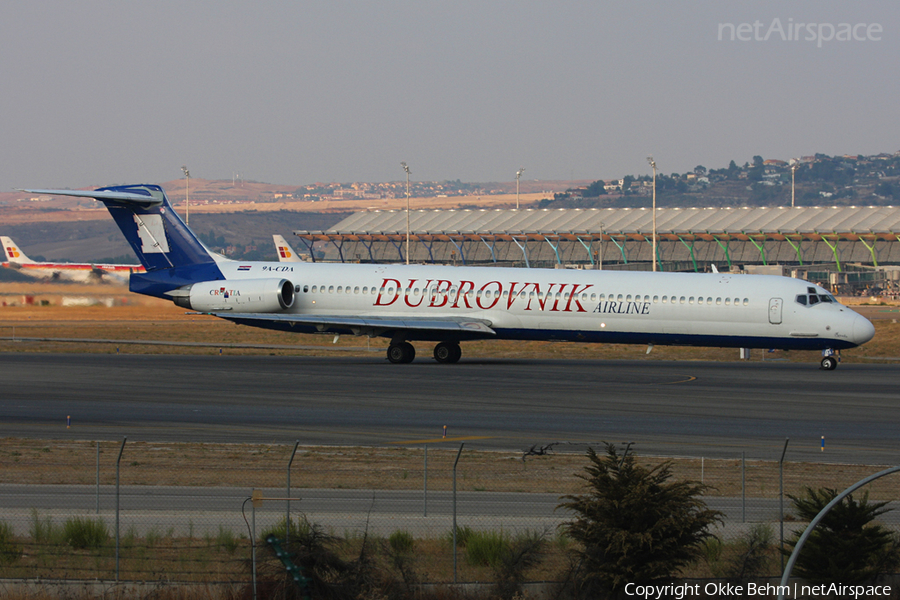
[462,536]
[486,548]
[227,540]
[299,529]
[42,530]
[10,551]
[401,542]
[81,532]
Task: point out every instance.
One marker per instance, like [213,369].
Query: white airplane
[449,305]
[285,252]
[81,272]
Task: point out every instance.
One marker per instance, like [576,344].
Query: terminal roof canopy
[848,222]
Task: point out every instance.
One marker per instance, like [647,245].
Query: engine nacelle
[238,295]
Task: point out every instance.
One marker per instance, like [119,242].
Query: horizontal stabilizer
[104,196]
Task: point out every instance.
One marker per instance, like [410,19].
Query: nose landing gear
[830,360]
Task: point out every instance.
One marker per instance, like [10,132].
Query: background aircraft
[285,252]
[54,271]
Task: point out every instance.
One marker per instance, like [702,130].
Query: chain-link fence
[140,511]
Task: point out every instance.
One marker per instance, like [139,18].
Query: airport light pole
[793,171]
[406,168]
[518,174]
[653,164]
[187,195]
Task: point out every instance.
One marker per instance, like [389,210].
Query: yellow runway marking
[453,439]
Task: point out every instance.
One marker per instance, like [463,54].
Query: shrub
[41,529]
[227,540]
[486,548]
[81,532]
[299,528]
[401,542]
[633,524]
[10,551]
[847,546]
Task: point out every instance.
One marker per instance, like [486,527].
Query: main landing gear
[404,352]
[447,352]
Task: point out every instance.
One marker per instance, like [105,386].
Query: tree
[845,547]
[634,525]
[597,188]
[755,173]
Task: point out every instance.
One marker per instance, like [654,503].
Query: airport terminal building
[850,249]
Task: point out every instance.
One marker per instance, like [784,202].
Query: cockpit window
[814,298]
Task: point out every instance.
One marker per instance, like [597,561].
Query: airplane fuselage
[576,305]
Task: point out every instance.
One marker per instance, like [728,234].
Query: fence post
[743,488]
[287,514]
[781,498]
[98,478]
[425,486]
[454,509]
[118,460]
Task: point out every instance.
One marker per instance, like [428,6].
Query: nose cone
[863,330]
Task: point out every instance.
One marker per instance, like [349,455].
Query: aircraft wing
[361,324]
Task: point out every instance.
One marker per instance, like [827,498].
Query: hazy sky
[97,93]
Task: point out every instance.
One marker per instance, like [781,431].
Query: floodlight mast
[794,166]
[187,195]
[518,174]
[406,168]
[653,164]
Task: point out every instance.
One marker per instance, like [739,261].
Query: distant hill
[101,240]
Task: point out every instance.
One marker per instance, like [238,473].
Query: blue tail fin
[168,249]
[158,236]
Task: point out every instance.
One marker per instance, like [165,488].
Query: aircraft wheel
[401,353]
[829,363]
[447,352]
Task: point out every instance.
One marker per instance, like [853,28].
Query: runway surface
[666,408]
